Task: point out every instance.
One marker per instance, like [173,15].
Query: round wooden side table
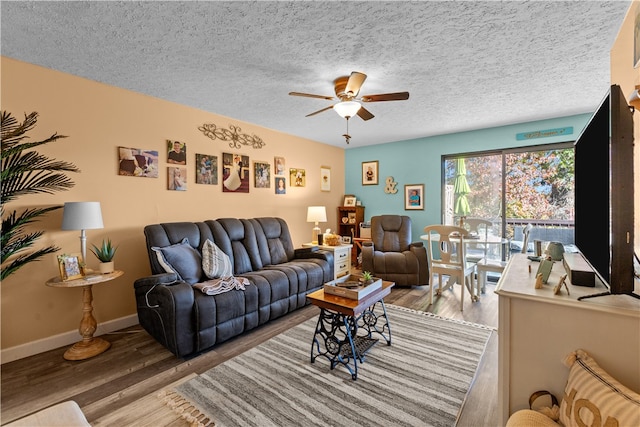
[89,346]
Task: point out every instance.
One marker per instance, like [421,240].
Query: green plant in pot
[105,254]
[367,277]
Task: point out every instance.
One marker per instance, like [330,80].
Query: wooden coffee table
[341,319]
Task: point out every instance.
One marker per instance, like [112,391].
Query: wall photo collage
[235,169]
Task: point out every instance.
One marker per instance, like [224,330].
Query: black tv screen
[604,192]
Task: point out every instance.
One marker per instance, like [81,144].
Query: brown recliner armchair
[391,255]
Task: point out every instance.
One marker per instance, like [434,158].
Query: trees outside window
[514,187]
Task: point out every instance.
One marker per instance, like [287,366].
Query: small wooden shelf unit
[354,215]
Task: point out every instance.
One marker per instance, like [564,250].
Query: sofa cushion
[215,263]
[181,259]
[593,397]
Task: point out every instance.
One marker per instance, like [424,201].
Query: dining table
[474,239]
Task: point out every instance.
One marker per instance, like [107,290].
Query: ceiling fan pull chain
[347,137]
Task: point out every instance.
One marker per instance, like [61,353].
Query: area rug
[422,379]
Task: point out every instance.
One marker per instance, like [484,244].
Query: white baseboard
[61,340]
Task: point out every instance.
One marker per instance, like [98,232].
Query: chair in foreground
[447,257]
[391,255]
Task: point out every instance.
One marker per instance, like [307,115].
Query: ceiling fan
[347,89]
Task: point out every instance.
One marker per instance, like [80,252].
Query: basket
[332,240]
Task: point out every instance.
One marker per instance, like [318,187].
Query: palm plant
[25,171]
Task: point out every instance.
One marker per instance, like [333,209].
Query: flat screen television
[604,192]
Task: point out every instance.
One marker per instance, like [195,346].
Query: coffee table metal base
[336,336]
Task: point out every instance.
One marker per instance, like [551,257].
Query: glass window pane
[483,174]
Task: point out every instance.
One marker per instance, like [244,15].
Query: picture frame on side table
[349,200]
[70,267]
[325,178]
[370,173]
[414,197]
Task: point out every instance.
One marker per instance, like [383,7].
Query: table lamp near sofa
[316,214]
[82,216]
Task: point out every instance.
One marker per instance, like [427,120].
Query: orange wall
[627,77]
[98,118]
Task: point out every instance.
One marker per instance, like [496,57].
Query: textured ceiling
[466,64]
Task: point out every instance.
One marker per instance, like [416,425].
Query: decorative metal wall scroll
[233,135]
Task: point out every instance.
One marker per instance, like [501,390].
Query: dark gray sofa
[187,321]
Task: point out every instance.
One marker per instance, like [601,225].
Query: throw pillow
[181,259]
[215,262]
[593,397]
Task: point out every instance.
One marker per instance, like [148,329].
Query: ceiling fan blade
[365,114]
[354,83]
[319,111]
[397,96]
[310,95]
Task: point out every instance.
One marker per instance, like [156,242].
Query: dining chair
[478,253]
[446,255]
[478,229]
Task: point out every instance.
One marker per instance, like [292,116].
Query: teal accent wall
[418,161]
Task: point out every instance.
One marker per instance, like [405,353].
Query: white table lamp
[316,214]
[82,216]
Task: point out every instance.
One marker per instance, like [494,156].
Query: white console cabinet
[537,329]
[341,258]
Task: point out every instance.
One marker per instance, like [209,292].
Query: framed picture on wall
[325,178]
[370,173]
[176,152]
[281,185]
[297,177]
[636,40]
[207,169]
[262,175]
[279,165]
[235,173]
[414,197]
[137,162]
[177,178]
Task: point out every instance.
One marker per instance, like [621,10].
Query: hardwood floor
[119,387]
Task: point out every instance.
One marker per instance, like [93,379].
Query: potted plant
[105,254]
[367,277]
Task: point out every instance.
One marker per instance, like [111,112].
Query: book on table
[351,286]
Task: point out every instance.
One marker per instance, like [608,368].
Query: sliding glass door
[511,188]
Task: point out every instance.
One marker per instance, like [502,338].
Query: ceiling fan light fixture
[347,109]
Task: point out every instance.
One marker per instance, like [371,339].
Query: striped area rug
[422,379]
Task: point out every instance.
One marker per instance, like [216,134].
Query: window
[511,188]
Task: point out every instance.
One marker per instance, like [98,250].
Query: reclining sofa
[179,315]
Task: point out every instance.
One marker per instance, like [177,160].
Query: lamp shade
[347,108]
[82,216]
[316,214]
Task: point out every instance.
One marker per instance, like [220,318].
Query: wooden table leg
[89,346]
